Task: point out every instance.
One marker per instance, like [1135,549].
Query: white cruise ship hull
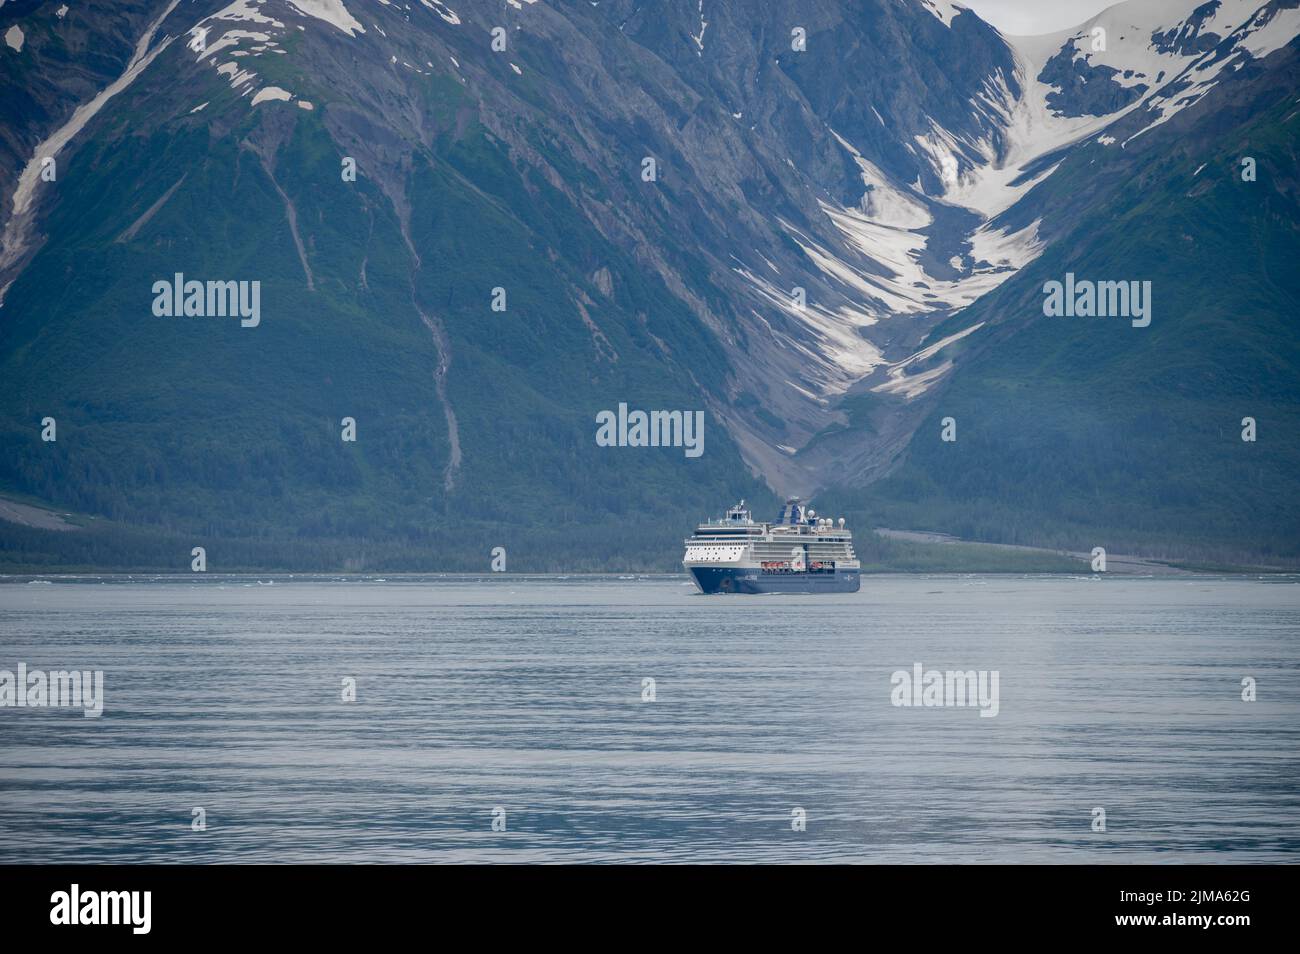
[731,579]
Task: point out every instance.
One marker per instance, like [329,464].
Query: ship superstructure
[799,553]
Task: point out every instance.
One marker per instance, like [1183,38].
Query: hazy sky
[1030,17]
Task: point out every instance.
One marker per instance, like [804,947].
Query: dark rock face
[64,62]
[1086,90]
[1188,38]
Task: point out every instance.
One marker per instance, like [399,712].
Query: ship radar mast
[739,514]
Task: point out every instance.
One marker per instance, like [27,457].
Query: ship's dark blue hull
[718,579]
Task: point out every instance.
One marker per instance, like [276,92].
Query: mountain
[1082,432]
[825,226]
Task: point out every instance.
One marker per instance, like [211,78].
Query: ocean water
[527,695]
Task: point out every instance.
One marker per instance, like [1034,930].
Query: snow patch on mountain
[232,38]
[833,354]
[885,202]
[17,238]
[332,12]
[999,250]
[243,10]
[879,273]
[1166,54]
[444,11]
[1160,56]
[699,37]
[1156,55]
[879,265]
[943,9]
[1262,36]
[899,382]
[237,76]
[258,41]
[238,42]
[271,93]
[991,174]
[1147,42]
[1263,32]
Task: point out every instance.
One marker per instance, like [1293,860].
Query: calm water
[526,694]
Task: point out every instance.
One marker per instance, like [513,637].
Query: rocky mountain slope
[815,222]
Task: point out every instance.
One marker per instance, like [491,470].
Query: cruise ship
[800,553]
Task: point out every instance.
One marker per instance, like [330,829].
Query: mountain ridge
[898,208]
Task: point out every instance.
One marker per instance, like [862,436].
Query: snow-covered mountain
[1137,64]
[1150,58]
[839,192]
